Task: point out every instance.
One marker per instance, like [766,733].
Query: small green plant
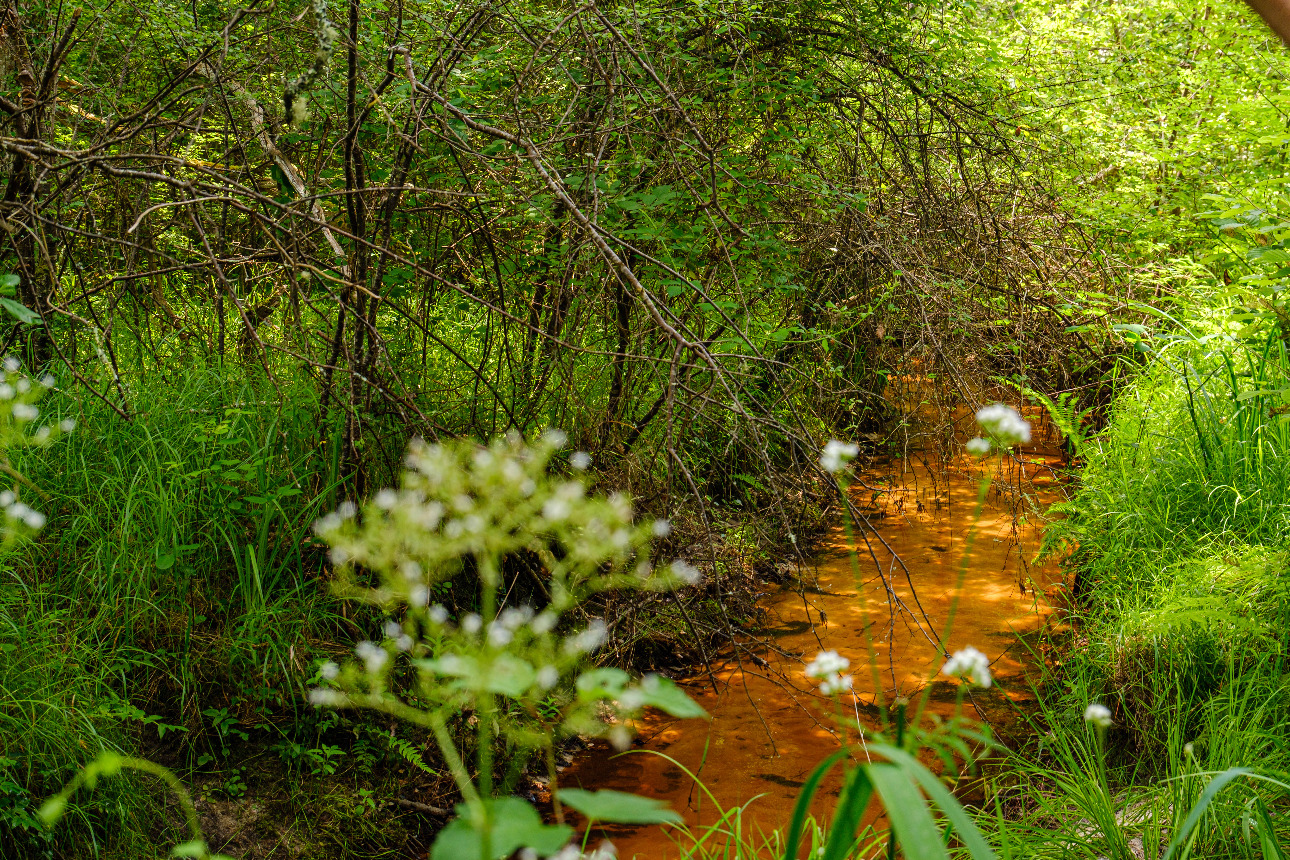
[109,764]
[516,674]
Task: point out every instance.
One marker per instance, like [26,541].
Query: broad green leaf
[911,820]
[21,312]
[664,694]
[851,808]
[165,558]
[949,805]
[602,683]
[619,807]
[512,824]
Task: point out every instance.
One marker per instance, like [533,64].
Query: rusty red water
[769,726]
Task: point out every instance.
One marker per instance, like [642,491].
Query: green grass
[174,603]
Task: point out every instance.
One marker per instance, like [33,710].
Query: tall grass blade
[800,810]
[851,807]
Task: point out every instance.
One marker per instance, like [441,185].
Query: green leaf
[1206,798]
[606,683]
[619,807]
[512,824]
[505,674]
[911,820]
[195,848]
[665,695]
[851,808]
[165,558]
[947,802]
[803,805]
[20,311]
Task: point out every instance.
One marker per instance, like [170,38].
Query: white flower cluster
[463,507]
[591,638]
[829,669]
[836,455]
[572,851]
[969,664]
[1004,424]
[18,394]
[460,500]
[17,511]
[1098,714]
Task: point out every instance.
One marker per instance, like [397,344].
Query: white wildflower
[834,686]
[48,381]
[978,446]
[829,668]
[555,509]
[11,364]
[471,624]
[827,664]
[25,412]
[837,454]
[438,614]
[687,573]
[418,596]
[1004,423]
[386,499]
[1098,714]
[580,460]
[67,425]
[547,677]
[392,629]
[346,510]
[555,438]
[588,640]
[329,671]
[661,528]
[372,655]
[326,698]
[34,519]
[970,664]
[23,385]
[512,617]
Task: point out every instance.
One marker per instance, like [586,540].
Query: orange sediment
[770,727]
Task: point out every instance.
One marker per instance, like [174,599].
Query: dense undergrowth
[702,241]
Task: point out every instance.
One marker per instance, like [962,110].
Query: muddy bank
[933,550]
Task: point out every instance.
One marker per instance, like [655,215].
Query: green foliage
[460,505]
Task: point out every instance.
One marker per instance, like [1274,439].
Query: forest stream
[769,725]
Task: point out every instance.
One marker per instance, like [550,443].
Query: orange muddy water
[769,725]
